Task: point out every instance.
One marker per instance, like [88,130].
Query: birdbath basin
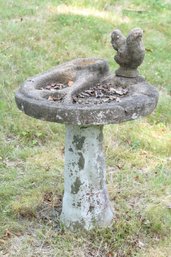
[84,95]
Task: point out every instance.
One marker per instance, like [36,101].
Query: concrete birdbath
[84,95]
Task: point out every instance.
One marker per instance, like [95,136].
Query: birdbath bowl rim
[141,99]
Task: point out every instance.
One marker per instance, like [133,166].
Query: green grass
[35,36]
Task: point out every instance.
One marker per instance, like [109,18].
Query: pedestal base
[85,202]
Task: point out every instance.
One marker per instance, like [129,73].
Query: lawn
[36,35]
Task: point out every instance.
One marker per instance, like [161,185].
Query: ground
[36,35]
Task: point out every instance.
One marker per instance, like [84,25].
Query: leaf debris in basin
[101,93]
[56,86]
[55,98]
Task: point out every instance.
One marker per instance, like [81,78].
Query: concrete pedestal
[85,202]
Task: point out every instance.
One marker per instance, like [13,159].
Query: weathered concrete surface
[141,100]
[85,202]
[130,51]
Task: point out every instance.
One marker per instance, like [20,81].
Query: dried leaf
[137,178]
[112,90]
[149,50]
[48,87]
[70,82]
[125,91]
[119,92]
[2,241]
[118,99]
[50,98]
[141,244]
[8,233]
[48,197]
[112,97]
[74,99]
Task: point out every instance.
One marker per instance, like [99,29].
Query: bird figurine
[130,51]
